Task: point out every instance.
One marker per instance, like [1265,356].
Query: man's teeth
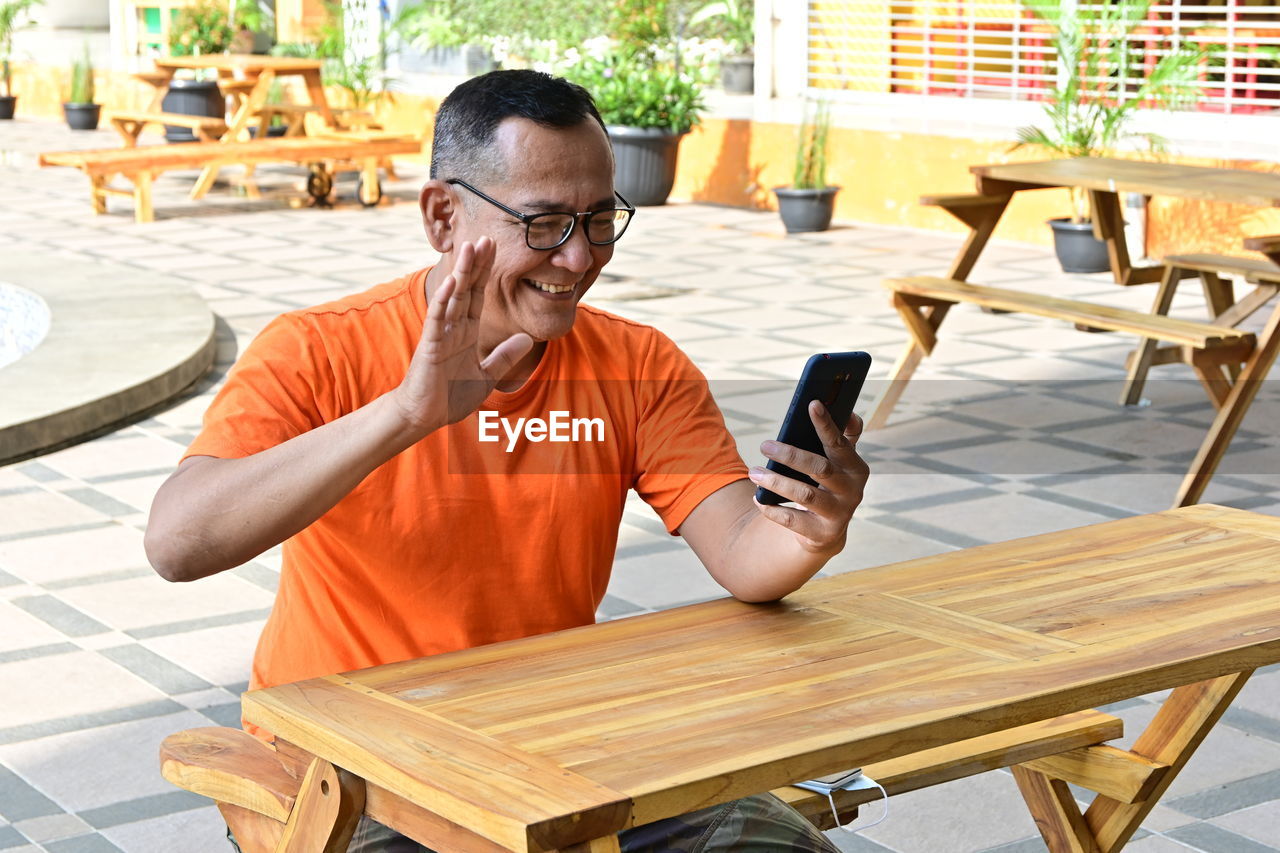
[550,288]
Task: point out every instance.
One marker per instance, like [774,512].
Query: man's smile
[554,291]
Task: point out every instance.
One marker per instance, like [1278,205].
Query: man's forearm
[213,514]
[754,558]
[764,561]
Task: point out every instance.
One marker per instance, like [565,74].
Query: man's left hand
[841,476]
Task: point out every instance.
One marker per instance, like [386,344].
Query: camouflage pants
[759,824]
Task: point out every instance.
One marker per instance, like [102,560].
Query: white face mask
[850,780]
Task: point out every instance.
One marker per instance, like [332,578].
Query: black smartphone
[836,379]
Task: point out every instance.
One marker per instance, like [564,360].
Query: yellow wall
[738,162]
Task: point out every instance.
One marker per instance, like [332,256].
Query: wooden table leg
[315,89]
[97,195]
[1159,753]
[142,210]
[1142,356]
[249,105]
[981,214]
[922,323]
[327,810]
[1233,410]
[1108,225]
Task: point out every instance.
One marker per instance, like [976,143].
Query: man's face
[548,169]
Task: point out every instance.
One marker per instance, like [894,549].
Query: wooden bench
[1227,361]
[1219,297]
[265,794]
[142,165]
[131,124]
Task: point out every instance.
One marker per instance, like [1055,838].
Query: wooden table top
[1142,176]
[250,62]
[554,739]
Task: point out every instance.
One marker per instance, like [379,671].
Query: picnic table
[248,78]
[561,740]
[363,147]
[1230,362]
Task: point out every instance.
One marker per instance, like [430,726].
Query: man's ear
[439,205]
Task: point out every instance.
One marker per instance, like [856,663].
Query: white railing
[998,50]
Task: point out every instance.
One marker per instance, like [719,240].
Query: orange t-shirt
[459,541]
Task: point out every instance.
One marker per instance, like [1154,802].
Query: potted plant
[79,109]
[1100,88]
[734,22]
[807,204]
[648,97]
[202,28]
[11,11]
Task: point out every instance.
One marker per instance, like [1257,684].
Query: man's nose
[575,253]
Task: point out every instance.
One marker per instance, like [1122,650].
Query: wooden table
[1104,178]
[566,738]
[241,68]
[1232,374]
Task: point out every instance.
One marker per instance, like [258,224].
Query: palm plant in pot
[648,97]
[11,13]
[79,109]
[1101,86]
[807,204]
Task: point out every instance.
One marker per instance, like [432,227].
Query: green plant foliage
[14,14]
[527,26]
[811,148]
[731,20]
[82,80]
[1091,108]
[639,90]
[254,16]
[200,29]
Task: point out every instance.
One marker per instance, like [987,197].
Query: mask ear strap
[884,798]
[835,814]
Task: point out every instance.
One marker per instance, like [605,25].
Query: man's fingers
[835,443]
[810,497]
[433,328]
[798,521]
[815,465]
[853,429]
[506,354]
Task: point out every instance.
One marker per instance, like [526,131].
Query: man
[361,435]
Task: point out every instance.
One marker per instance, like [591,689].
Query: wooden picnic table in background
[559,741]
[252,75]
[1229,361]
[1104,178]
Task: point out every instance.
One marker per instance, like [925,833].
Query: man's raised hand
[447,378]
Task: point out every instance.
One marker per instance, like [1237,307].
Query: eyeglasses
[544,231]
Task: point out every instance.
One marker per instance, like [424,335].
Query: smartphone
[836,379]
[831,782]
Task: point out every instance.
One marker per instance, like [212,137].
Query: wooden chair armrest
[230,766]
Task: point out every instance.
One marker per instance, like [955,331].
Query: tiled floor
[1011,429]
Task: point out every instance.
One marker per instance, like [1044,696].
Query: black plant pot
[738,75]
[193,98]
[82,116]
[644,163]
[1078,250]
[806,210]
[7,104]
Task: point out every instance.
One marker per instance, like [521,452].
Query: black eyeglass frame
[528,218]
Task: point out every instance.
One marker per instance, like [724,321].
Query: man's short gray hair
[463,145]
